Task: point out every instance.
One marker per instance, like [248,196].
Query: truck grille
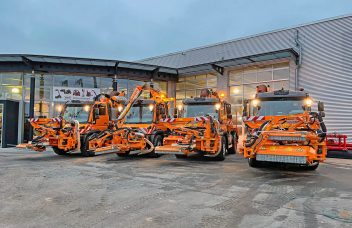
[287,138]
[282,158]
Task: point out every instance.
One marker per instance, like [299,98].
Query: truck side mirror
[321,106]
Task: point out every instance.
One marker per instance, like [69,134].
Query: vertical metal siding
[326,71]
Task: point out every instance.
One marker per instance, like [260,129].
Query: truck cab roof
[200,100]
[279,94]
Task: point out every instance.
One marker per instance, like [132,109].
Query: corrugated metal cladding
[326,70]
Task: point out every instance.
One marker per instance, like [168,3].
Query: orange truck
[204,126]
[137,129]
[75,122]
[282,128]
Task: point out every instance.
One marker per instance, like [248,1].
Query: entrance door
[1,121]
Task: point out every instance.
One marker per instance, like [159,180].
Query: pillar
[31,102]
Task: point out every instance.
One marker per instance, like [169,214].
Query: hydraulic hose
[255,137]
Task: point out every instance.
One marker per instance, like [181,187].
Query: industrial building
[315,56]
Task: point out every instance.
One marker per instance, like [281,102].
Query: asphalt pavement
[47,190]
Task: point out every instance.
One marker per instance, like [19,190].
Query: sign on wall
[64,94]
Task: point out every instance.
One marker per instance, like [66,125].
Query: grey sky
[131,30]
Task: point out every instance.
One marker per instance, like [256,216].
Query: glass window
[190,93]
[281,74]
[235,77]
[140,114]
[281,65]
[236,100]
[180,94]
[8,79]
[250,77]
[249,90]
[212,81]
[132,85]
[236,90]
[200,110]
[194,82]
[180,85]
[162,86]
[76,81]
[280,85]
[265,76]
[11,92]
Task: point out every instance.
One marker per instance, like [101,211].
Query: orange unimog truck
[67,132]
[282,128]
[204,126]
[48,131]
[138,128]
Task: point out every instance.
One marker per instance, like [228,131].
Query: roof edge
[247,37]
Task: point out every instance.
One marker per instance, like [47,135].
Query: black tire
[252,162]
[84,146]
[180,156]
[122,155]
[157,141]
[233,149]
[221,156]
[312,167]
[59,151]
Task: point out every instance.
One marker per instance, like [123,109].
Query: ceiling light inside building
[15,90]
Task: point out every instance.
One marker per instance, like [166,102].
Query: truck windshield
[278,107]
[139,114]
[194,110]
[76,112]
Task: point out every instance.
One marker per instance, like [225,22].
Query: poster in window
[63,94]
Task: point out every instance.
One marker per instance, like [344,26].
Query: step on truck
[282,128]
[204,126]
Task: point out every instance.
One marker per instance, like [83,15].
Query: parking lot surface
[47,190]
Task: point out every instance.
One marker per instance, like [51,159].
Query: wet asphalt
[47,190]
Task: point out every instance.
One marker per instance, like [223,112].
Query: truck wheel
[221,156]
[123,155]
[252,162]
[158,141]
[84,147]
[59,151]
[313,167]
[233,149]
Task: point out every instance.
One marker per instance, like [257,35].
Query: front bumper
[290,154]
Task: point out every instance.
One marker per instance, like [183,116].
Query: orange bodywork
[66,135]
[55,132]
[123,137]
[291,136]
[189,136]
[201,134]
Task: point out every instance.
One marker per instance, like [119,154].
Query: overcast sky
[136,29]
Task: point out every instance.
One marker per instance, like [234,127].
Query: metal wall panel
[325,72]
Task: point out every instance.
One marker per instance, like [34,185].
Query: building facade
[315,56]
[321,63]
